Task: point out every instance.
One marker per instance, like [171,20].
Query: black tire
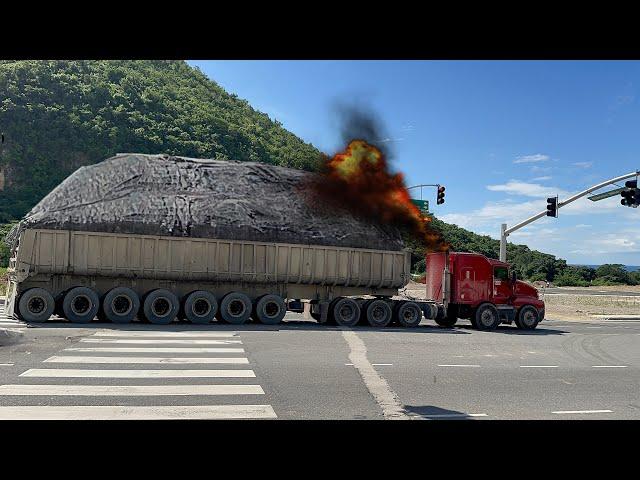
[408,314]
[487,317]
[119,305]
[447,321]
[80,305]
[269,309]
[346,312]
[200,307]
[160,306]
[36,305]
[235,308]
[527,318]
[378,313]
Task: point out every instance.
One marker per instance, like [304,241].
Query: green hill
[59,115]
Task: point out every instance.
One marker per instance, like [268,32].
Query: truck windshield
[501,273]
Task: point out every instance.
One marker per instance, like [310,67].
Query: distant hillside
[59,115]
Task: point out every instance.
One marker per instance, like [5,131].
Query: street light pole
[504,231]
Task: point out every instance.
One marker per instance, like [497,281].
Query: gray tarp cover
[176,196]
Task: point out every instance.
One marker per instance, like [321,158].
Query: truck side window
[501,273]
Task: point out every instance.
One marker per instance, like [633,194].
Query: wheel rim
[346,312]
[81,304]
[378,314]
[161,307]
[121,305]
[271,309]
[409,315]
[528,318]
[37,305]
[201,307]
[487,318]
[236,308]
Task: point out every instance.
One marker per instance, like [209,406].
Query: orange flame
[359,179]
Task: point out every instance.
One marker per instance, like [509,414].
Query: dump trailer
[155,238]
[118,277]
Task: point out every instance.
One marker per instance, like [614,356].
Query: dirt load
[177,196]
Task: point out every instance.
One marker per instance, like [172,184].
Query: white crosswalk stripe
[133,360]
[196,412]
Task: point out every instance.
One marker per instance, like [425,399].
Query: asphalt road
[301,370]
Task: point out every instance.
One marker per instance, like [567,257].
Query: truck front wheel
[527,318]
[487,317]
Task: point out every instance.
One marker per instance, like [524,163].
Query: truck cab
[483,290]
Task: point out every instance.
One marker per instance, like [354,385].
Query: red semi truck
[483,290]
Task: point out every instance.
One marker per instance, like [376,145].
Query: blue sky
[500,135]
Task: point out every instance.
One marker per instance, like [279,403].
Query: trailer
[117,277]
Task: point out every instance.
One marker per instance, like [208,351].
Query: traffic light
[440,199]
[552,207]
[631,196]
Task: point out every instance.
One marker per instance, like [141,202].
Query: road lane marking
[155,349]
[374,364]
[582,411]
[146,333]
[6,364]
[136,413]
[377,385]
[130,390]
[538,366]
[86,373]
[458,365]
[161,341]
[144,360]
[608,366]
[454,415]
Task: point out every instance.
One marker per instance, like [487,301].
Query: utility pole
[504,231]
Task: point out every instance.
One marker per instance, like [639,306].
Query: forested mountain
[59,115]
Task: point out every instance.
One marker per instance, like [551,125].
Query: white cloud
[583,164]
[515,187]
[541,179]
[538,157]
[386,140]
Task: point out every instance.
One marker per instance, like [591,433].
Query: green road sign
[610,193]
[423,205]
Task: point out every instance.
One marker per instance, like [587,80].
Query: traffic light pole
[504,231]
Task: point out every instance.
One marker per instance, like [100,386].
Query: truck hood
[526,289]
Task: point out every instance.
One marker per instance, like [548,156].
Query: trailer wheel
[378,313]
[80,305]
[527,318]
[487,317]
[408,314]
[269,309]
[36,305]
[235,308]
[200,307]
[160,306]
[119,305]
[346,312]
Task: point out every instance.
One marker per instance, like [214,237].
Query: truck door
[501,285]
